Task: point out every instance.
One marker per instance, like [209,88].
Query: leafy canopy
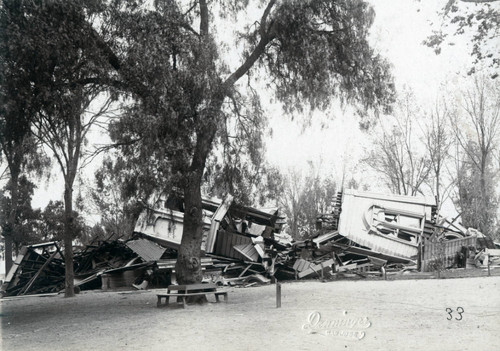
[182,93]
[476,20]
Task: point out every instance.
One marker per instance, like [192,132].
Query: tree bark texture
[9,236]
[188,266]
[68,241]
[8,253]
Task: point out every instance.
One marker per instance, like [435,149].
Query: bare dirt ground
[356,315]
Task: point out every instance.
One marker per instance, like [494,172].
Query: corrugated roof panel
[147,250]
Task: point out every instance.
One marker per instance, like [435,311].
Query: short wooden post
[384,273]
[489,257]
[278,295]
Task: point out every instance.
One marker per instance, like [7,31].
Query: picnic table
[186,290]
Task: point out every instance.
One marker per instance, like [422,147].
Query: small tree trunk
[9,236]
[8,253]
[68,241]
[484,225]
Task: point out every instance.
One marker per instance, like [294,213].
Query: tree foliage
[20,99]
[396,155]
[312,50]
[59,60]
[479,22]
[113,200]
[438,141]
[26,222]
[478,209]
[51,224]
[477,132]
[320,50]
[303,198]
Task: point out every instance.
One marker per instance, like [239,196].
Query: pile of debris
[401,230]
[38,269]
[365,234]
[41,269]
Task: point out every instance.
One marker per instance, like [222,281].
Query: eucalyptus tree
[20,99]
[27,219]
[63,129]
[183,86]
[54,72]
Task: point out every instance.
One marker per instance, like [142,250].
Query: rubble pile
[364,235]
[38,269]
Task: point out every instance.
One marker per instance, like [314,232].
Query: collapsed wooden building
[365,234]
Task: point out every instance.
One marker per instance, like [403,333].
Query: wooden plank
[191,287]
[232,242]
[492,252]
[248,251]
[260,250]
[249,248]
[215,223]
[32,280]
[219,242]
[347,267]
[301,264]
[226,251]
[377,261]
[316,268]
[187,294]
[236,240]
[244,271]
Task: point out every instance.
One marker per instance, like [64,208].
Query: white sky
[398,32]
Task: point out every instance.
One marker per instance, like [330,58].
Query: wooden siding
[225,242]
[446,251]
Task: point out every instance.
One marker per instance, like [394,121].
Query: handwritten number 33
[460,310]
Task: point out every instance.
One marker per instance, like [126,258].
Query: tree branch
[203,18]
[263,20]
[265,39]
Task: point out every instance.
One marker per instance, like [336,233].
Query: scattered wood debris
[38,269]
[365,235]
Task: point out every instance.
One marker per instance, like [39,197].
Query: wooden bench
[184,291]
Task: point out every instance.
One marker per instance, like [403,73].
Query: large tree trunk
[68,240]
[188,267]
